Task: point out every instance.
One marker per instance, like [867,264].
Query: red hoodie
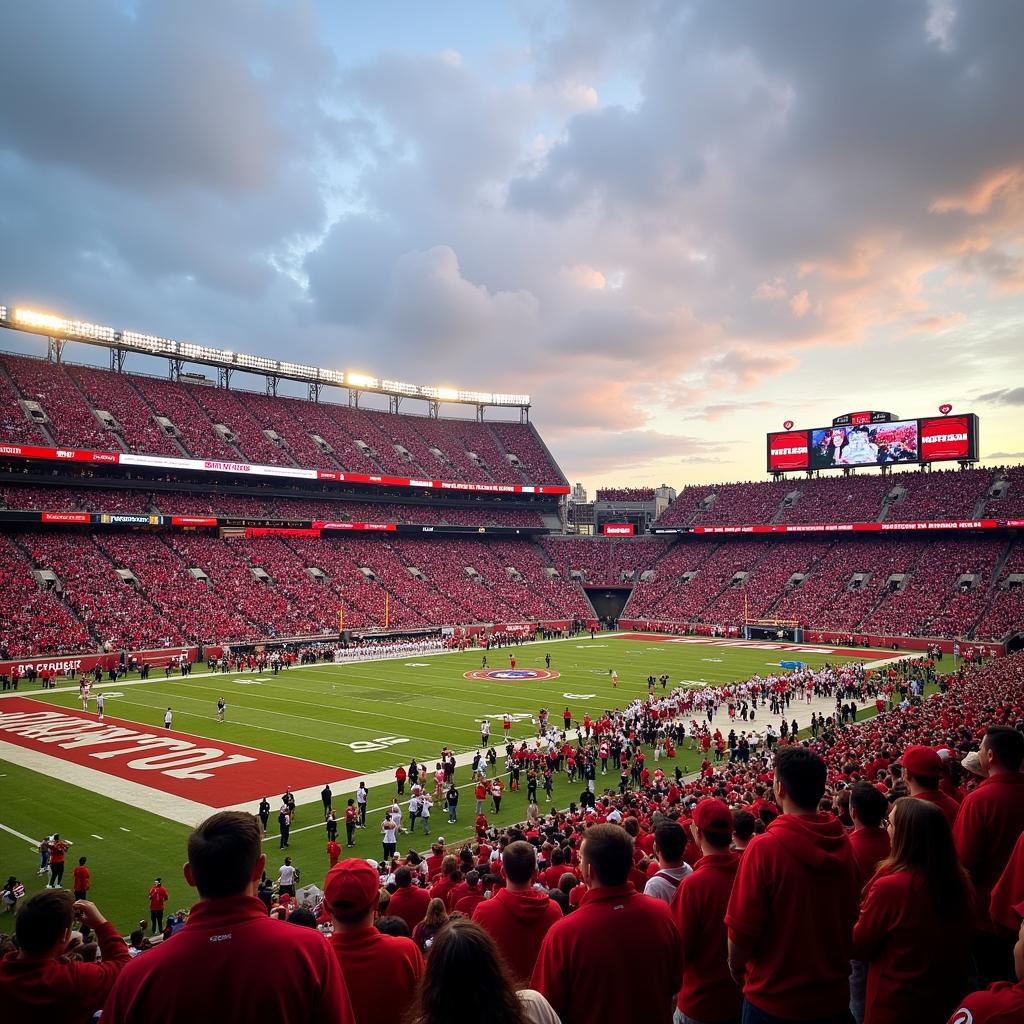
[518,922]
[792,910]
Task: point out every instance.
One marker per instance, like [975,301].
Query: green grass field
[339,715]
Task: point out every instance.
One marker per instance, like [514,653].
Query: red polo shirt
[1001,1003]
[410,904]
[990,820]
[911,974]
[230,954]
[708,992]
[43,989]
[611,935]
[870,846]
[518,922]
[381,972]
[792,909]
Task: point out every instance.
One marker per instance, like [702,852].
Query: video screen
[876,444]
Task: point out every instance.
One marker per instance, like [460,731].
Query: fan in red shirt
[333,851]
[229,953]
[381,971]
[868,840]
[408,901]
[991,819]
[923,770]
[794,903]
[914,929]
[81,883]
[38,986]
[708,991]
[518,916]
[611,936]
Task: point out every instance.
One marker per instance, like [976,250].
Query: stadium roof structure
[119,342]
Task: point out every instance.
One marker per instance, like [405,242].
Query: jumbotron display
[864,440]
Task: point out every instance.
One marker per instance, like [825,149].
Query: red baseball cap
[351,886]
[922,761]
[713,816]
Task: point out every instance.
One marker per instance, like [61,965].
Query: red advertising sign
[788,450]
[945,438]
[319,525]
[618,529]
[193,520]
[66,517]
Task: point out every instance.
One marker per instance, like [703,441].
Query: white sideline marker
[123,829]
[96,836]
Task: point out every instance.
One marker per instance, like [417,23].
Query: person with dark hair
[82,880]
[793,905]
[990,819]
[390,924]
[158,897]
[467,980]
[229,954]
[914,929]
[669,844]
[381,971]
[36,983]
[518,916]
[577,959]
[869,839]
[923,770]
[708,992]
[408,901]
[743,823]
[302,916]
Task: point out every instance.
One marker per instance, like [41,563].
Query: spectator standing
[708,992]
[380,971]
[990,820]
[518,916]
[793,905]
[923,770]
[610,935]
[351,820]
[287,876]
[362,796]
[264,814]
[408,901]
[869,839]
[669,844]
[229,953]
[914,929]
[333,852]
[58,850]
[36,983]
[82,878]
[433,921]
[326,796]
[158,897]
[284,826]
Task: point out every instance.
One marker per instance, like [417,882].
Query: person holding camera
[40,981]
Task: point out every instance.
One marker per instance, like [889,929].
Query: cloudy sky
[675,224]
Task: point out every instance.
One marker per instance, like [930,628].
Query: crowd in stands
[911,496]
[872,871]
[603,560]
[625,494]
[502,452]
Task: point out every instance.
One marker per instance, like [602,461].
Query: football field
[127,791]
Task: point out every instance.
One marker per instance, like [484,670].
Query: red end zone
[209,772]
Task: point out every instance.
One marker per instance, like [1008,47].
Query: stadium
[327,695]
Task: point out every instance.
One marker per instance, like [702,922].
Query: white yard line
[34,843]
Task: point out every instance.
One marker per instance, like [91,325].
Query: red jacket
[612,936]
[1009,890]
[870,846]
[911,976]
[1001,1003]
[518,922]
[792,910]
[230,954]
[381,972]
[158,897]
[37,989]
[990,820]
[410,904]
[708,992]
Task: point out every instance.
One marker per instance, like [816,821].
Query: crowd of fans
[872,871]
[625,494]
[398,444]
